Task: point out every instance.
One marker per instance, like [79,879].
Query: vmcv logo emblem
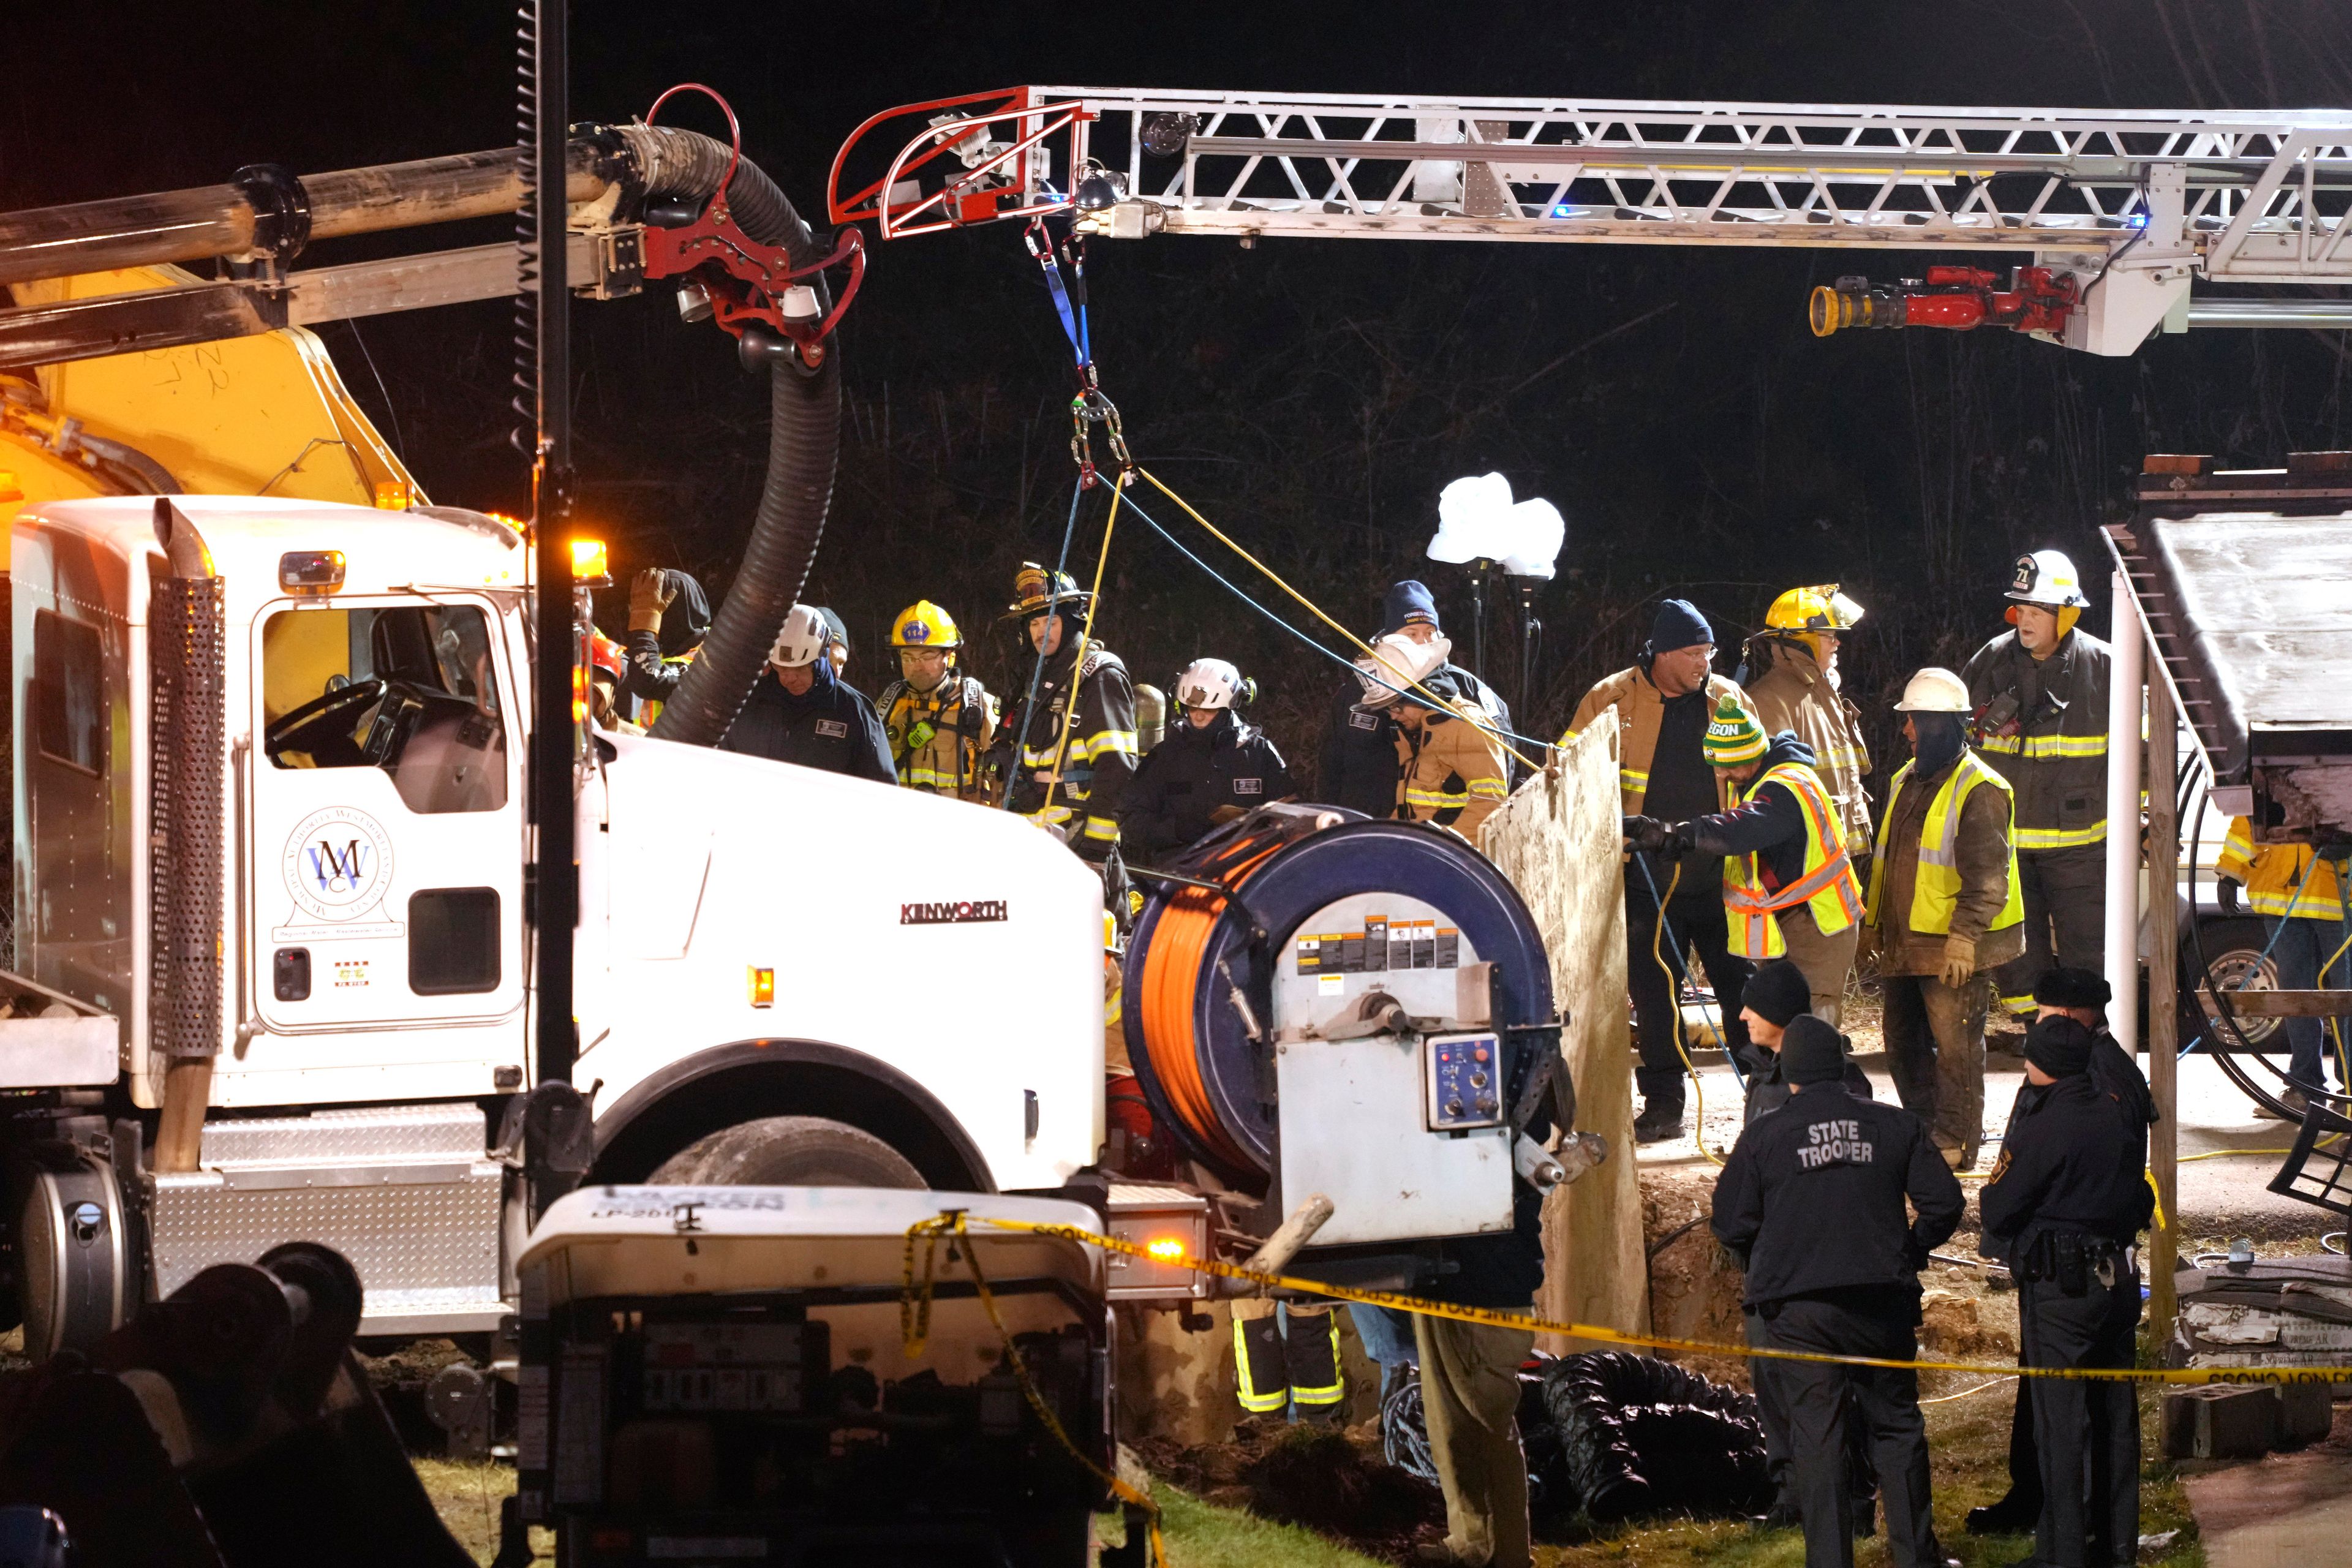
[338,863]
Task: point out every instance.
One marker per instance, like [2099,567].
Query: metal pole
[2163,984]
[556,882]
[2129,641]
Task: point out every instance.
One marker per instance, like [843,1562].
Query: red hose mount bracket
[1956,298]
[748,283]
[972,159]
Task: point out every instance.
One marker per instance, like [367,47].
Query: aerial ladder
[2102,218]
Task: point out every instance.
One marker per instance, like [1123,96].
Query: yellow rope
[915,1322]
[1317,611]
[1077,661]
[1675,998]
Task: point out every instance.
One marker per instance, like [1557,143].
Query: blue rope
[1037,670]
[1341,659]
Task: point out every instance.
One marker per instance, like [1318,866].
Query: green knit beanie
[1732,737]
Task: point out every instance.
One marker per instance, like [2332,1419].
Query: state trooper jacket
[1641,710]
[2073,1160]
[1790,692]
[1811,1198]
[1188,775]
[2042,724]
[1098,760]
[830,726]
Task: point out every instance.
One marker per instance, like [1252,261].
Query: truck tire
[2233,945]
[788,1152]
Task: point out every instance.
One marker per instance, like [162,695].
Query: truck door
[384,858]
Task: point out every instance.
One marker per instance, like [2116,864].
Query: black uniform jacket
[1360,755]
[1181,785]
[1768,1090]
[658,662]
[1812,1196]
[831,726]
[2074,1159]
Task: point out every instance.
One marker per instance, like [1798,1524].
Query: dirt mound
[1325,1479]
[1694,1284]
[1951,1329]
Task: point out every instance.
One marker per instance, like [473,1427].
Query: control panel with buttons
[1464,1078]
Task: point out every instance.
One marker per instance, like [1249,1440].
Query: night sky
[1311,395]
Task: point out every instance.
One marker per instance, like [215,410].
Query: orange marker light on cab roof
[590,563]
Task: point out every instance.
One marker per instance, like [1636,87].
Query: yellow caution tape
[1497,1318]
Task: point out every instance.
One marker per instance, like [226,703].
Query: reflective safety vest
[1827,887]
[1936,889]
[2282,881]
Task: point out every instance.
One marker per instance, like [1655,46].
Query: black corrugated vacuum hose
[803,445]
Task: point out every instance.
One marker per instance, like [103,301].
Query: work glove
[1865,947]
[1645,833]
[1959,961]
[2225,893]
[650,592]
[1682,839]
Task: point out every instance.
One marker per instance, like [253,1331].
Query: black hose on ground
[1639,1436]
[804,445]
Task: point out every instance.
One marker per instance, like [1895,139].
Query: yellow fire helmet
[1821,609]
[924,624]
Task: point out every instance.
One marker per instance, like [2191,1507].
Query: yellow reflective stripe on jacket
[1936,889]
[1104,743]
[2283,880]
[2058,838]
[2044,748]
[1633,782]
[1827,886]
[1102,829]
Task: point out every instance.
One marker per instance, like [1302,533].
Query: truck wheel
[788,1152]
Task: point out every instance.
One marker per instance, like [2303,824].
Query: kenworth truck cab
[783,975]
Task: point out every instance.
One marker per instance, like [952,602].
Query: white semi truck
[782,975]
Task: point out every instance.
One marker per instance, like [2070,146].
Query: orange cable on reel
[1171,978]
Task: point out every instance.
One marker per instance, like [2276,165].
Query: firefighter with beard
[1070,753]
[940,720]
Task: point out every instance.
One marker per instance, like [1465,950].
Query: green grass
[1202,1535]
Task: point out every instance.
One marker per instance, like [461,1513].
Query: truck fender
[715,1088]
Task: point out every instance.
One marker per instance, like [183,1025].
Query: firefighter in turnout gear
[1789,887]
[2302,905]
[2040,696]
[1286,1357]
[1072,752]
[1943,908]
[1451,770]
[1663,705]
[1212,769]
[940,720]
[1812,1200]
[1791,680]
[1359,754]
[2065,1206]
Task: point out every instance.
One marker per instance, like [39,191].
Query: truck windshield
[409,688]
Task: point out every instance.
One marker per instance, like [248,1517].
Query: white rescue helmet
[801,640]
[2048,577]
[1934,690]
[1397,664]
[1210,683]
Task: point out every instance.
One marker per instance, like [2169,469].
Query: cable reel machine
[1324,1004]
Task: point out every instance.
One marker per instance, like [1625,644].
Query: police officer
[2079,994]
[801,714]
[1069,769]
[940,720]
[2039,693]
[2064,1205]
[1212,769]
[1775,996]
[1812,1200]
